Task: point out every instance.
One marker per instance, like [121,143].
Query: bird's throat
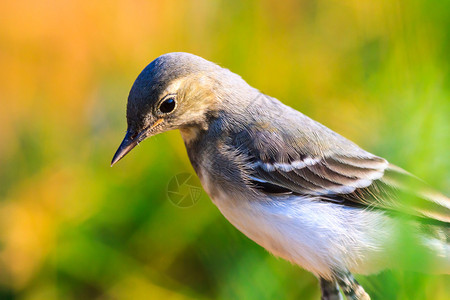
[190,134]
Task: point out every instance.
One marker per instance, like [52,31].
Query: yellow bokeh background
[71,227]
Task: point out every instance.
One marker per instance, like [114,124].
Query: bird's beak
[126,146]
[131,140]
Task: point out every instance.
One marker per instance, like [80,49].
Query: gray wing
[315,161]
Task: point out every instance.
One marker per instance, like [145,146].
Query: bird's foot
[351,288]
[329,289]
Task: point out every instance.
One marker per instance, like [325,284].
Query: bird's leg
[351,288]
[329,289]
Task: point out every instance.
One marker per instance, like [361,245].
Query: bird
[292,185]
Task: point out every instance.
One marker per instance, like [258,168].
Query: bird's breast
[316,235]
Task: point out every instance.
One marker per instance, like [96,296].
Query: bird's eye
[167,106]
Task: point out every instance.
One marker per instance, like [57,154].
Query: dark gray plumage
[292,185]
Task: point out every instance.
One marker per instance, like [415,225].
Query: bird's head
[175,91]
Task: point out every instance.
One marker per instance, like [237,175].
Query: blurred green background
[71,227]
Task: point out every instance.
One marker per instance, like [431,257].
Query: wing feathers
[352,170]
[367,181]
[369,162]
[324,171]
[310,166]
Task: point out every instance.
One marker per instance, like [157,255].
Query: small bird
[295,187]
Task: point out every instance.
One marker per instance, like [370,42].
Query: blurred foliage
[378,72]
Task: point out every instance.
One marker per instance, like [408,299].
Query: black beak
[126,146]
[132,139]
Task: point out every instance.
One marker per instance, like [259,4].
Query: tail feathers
[421,198]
